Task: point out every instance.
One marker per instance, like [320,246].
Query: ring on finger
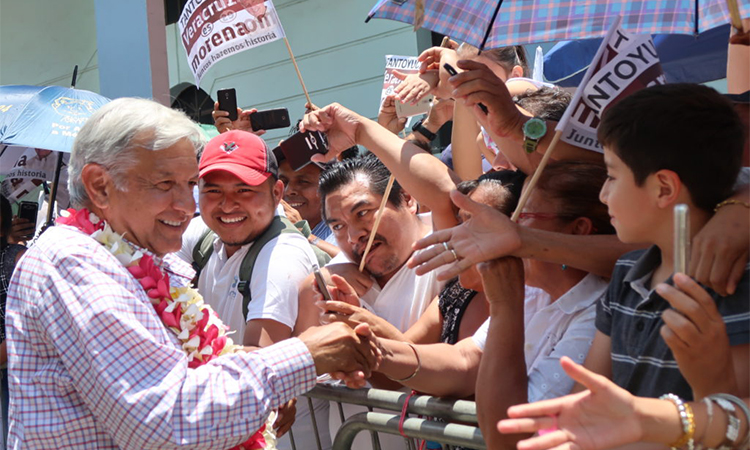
[455,256]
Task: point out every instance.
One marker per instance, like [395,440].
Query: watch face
[534,128]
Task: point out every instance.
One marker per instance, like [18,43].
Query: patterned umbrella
[519,22]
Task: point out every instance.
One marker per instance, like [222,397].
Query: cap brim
[248,176]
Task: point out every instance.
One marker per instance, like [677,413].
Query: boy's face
[630,206]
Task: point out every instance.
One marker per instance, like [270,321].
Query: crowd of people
[569,327]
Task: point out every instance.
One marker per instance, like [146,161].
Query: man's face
[237,212]
[629,205]
[157,203]
[350,212]
[301,190]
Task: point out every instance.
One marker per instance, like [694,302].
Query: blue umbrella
[683,58]
[45,117]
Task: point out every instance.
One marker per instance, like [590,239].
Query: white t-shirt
[552,330]
[281,266]
[405,297]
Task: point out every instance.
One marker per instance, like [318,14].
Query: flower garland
[197,326]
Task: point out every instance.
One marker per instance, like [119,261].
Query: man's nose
[357,234]
[184,200]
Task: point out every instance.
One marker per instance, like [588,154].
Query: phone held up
[300,147]
[28,211]
[321,283]
[228,102]
[270,119]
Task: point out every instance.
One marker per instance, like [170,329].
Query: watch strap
[419,128]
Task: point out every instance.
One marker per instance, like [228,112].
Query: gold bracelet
[416,371]
[686,418]
[732,202]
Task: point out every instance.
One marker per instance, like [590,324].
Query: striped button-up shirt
[92,366]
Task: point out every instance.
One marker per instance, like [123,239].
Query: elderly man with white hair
[108,347]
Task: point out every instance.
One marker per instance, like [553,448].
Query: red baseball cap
[240,153]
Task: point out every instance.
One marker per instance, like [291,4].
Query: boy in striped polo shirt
[663,146]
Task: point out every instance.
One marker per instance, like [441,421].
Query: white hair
[111,134]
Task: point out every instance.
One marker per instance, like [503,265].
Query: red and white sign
[212,30]
[624,63]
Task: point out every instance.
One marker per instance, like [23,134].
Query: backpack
[203,249]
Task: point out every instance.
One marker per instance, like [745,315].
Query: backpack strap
[278,226]
[202,252]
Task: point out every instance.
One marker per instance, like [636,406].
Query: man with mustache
[351,192]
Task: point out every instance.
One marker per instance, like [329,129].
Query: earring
[564,267]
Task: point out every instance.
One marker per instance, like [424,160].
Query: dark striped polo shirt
[630,314]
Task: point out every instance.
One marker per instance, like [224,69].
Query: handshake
[349,354]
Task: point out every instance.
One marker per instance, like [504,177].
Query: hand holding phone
[321,283]
[28,211]
[448,68]
[228,102]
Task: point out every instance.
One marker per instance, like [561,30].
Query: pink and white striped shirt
[92,366]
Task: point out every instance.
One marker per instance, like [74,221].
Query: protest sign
[212,30]
[406,65]
[624,63]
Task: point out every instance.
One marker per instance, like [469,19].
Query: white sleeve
[480,336]
[190,239]
[282,265]
[547,379]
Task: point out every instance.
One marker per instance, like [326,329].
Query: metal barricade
[457,424]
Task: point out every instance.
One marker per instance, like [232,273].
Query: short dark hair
[547,103]
[575,186]
[687,128]
[344,172]
[501,198]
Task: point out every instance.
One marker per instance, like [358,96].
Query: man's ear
[668,188]
[277,191]
[98,184]
[411,203]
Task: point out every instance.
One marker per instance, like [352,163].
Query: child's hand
[415,87]
[695,332]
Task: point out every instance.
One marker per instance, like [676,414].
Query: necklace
[202,334]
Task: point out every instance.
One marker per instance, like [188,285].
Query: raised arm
[419,173]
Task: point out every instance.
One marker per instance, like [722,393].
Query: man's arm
[502,380]
[443,370]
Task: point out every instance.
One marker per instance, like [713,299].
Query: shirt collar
[639,276]
[582,295]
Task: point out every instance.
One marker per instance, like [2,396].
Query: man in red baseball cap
[240,220]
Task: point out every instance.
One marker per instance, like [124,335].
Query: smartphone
[270,119]
[321,283]
[228,102]
[451,71]
[408,110]
[28,211]
[681,238]
[299,148]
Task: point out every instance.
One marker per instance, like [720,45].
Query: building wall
[41,41]
[340,57]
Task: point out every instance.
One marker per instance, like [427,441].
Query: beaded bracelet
[687,419]
[732,201]
[416,371]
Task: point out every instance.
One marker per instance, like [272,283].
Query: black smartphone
[299,148]
[321,283]
[28,211]
[452,71]
[270,119]
[228,102]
